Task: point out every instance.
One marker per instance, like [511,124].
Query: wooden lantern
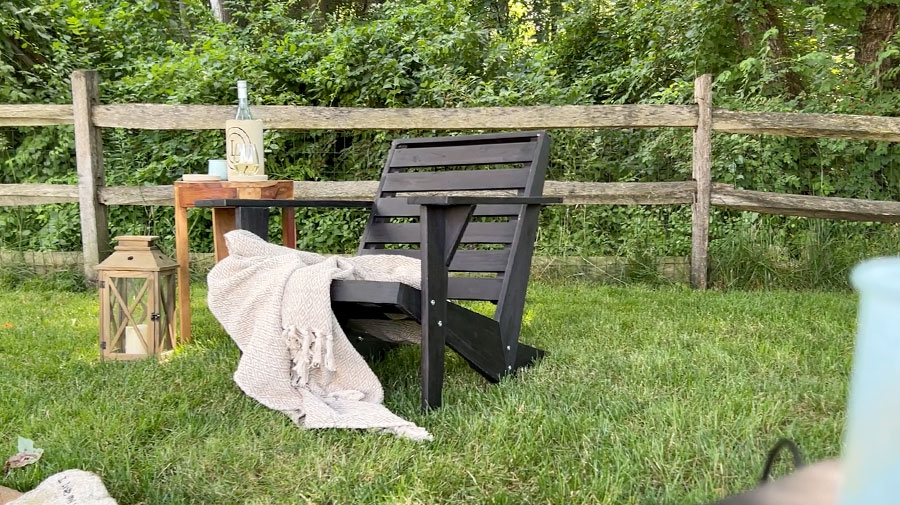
[137,300]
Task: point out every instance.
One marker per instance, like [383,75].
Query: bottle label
[244,147]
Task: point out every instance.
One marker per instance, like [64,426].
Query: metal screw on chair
[440,323]
[508,348]
[509,367]
[432,302]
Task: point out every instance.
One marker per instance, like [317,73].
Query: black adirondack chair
[446,195]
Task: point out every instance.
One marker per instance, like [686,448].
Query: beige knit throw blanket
[275,303]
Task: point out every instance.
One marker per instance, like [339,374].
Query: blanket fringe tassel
[309,349]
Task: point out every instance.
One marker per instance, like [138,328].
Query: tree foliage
[779,55]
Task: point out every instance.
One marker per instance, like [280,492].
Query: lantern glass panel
[131,302]
[166,312]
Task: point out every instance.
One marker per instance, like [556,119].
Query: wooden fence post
[91,177]
[702,177]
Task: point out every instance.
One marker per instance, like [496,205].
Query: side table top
[187,193]
[241,202]
[235,184]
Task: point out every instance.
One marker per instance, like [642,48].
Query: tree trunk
[779,47]
[219,11]
[744,38]
[751,23]
[182,22]
[878,28]
[502,9]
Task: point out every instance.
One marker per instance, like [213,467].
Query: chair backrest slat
[474,288]
[439,155]
[408,233]
[464,260]
[493,164]
[456,180]
[397,207]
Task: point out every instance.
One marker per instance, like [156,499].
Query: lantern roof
[137,253]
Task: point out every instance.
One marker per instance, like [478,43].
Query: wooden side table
[186,196]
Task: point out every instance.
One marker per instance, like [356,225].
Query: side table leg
[223,222]
[288,228]
[182,257]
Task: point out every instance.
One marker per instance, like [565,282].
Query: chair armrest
[484,200]
[242,202]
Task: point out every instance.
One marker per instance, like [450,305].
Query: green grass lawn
[648,396]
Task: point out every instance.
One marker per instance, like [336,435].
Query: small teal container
[871,454]
[218,168]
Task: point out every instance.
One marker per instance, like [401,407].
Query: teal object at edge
[871,454]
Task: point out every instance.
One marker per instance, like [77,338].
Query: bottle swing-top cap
[243,111]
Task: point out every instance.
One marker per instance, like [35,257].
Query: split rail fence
[89,116]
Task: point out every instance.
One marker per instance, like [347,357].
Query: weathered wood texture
[35,115]
[162,195]
[794,124]
[162,117]
[826,207]
[335,190]
[137,195]
[189,117]
[91,174]
[702,164]
[621,193]
[200,117]
[572,193]
[211,117]
[17,195]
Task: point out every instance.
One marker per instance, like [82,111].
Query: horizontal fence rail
[36,115]
[572,193]
[211,117]
[286,117]
[15,195]
[798,124]
[826,207]
[93,196]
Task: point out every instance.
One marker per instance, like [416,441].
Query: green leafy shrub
[465,53]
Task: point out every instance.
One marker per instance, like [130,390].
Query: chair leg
[527,356]
[253,219]
[432,371]
[434,305]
